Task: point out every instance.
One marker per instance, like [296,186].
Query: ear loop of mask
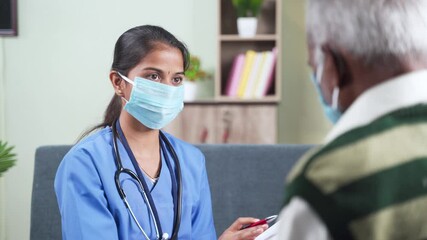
[127,80]
[335,95]
[319,72]
[341,67]
[336,90]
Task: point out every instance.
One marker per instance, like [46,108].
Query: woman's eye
[154,77]
[177,80]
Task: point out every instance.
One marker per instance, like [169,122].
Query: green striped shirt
[370,182]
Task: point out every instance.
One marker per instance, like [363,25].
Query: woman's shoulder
[102,136]
[88,159]
[94,143]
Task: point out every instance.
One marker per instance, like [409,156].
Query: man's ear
[117,82]
[342,69]
[332,72]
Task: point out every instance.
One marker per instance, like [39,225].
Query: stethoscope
[138,177]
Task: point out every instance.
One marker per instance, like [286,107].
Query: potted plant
[194,75]
[7,158]
[247,13]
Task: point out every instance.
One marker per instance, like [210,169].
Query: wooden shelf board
[237,38]
[267,99]
[230,100]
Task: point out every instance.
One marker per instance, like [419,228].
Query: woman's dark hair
[131,47]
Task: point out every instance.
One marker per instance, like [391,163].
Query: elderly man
[369,180]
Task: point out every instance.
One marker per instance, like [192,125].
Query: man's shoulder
[388,141]
[367,171]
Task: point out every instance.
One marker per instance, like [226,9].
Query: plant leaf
[255,7]
[247,8]
[7,158]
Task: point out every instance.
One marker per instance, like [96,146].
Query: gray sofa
[245,180]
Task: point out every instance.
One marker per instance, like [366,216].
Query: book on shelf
[247,70]
[251,75]
[234,76]
[258,79]
[267,75]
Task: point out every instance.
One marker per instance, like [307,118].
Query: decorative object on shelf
[249,69]
[251,75]
[196,80]
[7,158]
[247,13]
[190,91]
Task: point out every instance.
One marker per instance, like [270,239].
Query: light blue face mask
[154,104]
[331,111]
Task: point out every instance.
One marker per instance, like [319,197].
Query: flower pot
[190,91]
[247,26]
[205,89]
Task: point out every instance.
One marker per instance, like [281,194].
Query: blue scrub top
[91,207]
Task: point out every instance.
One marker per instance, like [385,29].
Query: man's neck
[365,77]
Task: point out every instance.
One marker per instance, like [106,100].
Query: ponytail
[112,113]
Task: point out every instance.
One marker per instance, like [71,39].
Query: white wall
[205,30]
[2,136]
[56,76]
[301,119]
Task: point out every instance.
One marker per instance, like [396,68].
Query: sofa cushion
[248,180]
[45,217]
[245,180]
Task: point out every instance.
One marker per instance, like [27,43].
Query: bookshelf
[229,44]
[218,123]
[233,119]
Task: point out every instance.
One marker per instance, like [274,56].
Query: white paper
[270,233]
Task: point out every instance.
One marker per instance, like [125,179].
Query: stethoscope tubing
[142,185]
[178,175]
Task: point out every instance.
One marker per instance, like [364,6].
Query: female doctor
[128,179]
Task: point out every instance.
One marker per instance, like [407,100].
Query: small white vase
[205,89]
[190,91]
[247,26]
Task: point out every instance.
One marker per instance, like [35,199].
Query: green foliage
[194,71]
[247,8]
[7,158]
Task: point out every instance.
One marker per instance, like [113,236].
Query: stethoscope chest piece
[165,236]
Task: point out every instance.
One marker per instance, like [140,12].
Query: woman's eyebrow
[153,68]
[161,71]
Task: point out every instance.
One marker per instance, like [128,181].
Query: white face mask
[154,104]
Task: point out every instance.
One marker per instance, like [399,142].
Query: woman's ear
[118,83]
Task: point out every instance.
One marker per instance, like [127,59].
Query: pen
[266,220]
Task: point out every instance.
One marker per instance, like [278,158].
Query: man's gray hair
[370,29]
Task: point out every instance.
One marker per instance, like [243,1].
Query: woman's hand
[234,232]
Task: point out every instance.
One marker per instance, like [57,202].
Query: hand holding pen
[266,220]
[237,232]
